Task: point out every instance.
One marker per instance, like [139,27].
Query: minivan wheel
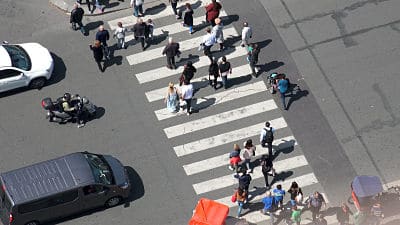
[113,201]
[37,83]
[32,223]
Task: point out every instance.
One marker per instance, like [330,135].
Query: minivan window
[2,195]
[101,170]
[51,201]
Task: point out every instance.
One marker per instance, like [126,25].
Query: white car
[28,64]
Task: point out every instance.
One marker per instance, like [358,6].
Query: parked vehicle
[60,187]
[28,64]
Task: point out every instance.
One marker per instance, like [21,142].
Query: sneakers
[81,125]
[230,167]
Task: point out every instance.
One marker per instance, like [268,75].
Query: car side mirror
[5,42]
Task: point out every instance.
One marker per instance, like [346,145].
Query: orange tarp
[209,212]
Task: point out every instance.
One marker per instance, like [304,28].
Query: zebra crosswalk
[203,140]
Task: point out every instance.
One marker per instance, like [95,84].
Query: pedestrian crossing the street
[203,140]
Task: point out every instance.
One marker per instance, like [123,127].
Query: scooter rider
[72,110]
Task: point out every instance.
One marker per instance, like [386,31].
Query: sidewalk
[109,5]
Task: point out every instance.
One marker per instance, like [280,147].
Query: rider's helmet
[67,97]
[85,100]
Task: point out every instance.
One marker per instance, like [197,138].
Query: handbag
[233,198]
[201,47]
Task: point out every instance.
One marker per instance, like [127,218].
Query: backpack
[268,137]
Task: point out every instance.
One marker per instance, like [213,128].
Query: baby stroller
[272,81]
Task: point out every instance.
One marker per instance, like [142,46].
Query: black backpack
[268,137]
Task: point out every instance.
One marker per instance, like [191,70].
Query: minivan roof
[46,178]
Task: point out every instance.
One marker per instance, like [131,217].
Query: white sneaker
[231,168]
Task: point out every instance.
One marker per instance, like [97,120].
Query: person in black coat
[213,70]
[139,31]
[188,18]
[171,50]
[97,49]
[253,58]
[76,17]
[188,73]
[103,36]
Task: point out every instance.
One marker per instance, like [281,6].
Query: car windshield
[19,57]
[101,170]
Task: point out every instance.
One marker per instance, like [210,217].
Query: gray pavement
[343,127]
[347,51]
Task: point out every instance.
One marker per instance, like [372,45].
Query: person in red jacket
[212,11]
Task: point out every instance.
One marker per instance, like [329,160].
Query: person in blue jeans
[241,198]
[278,195]
[283,86]
[137,7]
[268,201]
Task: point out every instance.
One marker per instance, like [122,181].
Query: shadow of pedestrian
[111,5]
[281,176]
[197,85]
[227,20]
[263,44]
[269,66]
[235,221]
[113,60]
[182,60]
[296,96]
[252,207]
[205,104]
[155,9]
[286,147]
[238,80]
[93,25]
[231,40]
[157,39]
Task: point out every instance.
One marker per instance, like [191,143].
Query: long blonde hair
[171,88]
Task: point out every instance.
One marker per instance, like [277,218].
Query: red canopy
[209,212]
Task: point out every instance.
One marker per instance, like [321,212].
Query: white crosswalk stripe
[218,98]
[223,160]
[183,46]
[209,153]
[164,72]
[304,180]
[158,94]
[176,28]
[225,138]
[131,20]
[221,118]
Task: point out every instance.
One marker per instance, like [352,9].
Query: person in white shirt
[120,35]
[137,7]
[187,95]
[208,41]
[247,33]
[248,153]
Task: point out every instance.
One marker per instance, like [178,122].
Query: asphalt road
[344,126]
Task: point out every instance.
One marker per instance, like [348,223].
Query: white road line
[257,217]
[176,27]
[163,72]
[304,180]
[225,138]
[159,93]
[220,118]
[223,160]
[183,46]
[229,180]
[220,97]
[131,20]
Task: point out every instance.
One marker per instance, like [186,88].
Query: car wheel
[113,202]
[37,83]
[32,223]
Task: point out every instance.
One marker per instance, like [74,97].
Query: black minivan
[60,187]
